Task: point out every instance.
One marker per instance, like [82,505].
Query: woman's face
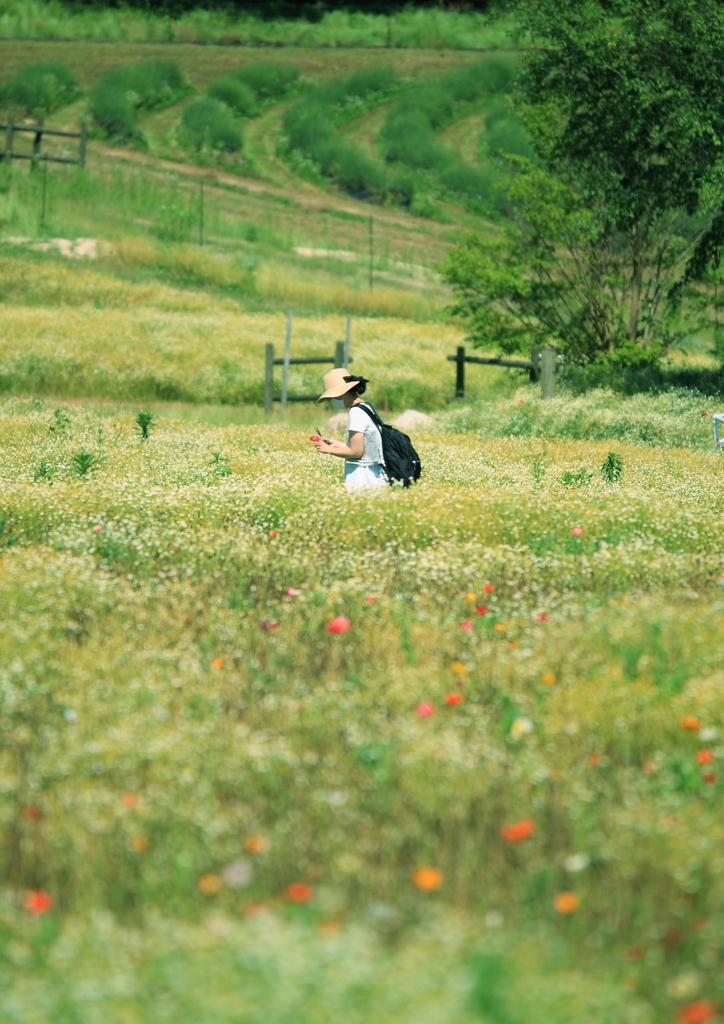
[349,399]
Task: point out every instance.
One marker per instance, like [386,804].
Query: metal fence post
[548,373]
[460,372]
[269,378]
[287,354]
[347,340]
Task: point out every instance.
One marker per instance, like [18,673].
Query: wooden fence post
[269,378]
[36,145]
[460,372]
[83,143]
[548,373]
[287,354]
[535,363]
[9,140]
[338,354]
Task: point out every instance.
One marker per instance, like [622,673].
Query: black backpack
[402,462]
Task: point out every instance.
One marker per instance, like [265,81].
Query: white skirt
[357,477]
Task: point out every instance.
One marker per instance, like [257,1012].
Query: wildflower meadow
[270,751]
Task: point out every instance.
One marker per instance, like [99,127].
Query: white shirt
[360,422]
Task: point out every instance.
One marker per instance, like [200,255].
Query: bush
[411,127]
[234,94]
[309,129]
[267,78]
[506,134]
[209,123]
[40,88]
[121,92]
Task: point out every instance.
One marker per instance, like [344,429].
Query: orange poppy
[454,698]
[130,800]
[690,722]
[139,843]
[548,678]
[256,844]
[32,813]
[427,879]
[300,892]
[705,757]
[594,760]
[209,884]
[518,831]
[217,663]
[701,1011]
[38,902]
[566,903]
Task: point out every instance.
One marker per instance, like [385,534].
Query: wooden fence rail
[39,130]
[542,366]
[270,362]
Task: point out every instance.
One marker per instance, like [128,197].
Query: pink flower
[467,626]
[291,592]
[370,599]
[577,531]
[98,529]
[425,710]
[338,625]
[542,617]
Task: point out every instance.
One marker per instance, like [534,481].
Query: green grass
[121,93]
[436,29]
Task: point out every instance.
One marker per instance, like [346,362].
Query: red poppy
[594,760]
[542,617]
[467,626]
[454,698]
[268,624]
[38,902]
[699,1012]
[488,588]
[425,710]
[519,830]
[299,892]
[481,609]
[705,414]
[272,533]
[705,757]
[709,777]
[370,599]
[338,625]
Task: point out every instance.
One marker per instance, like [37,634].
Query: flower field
[270,752]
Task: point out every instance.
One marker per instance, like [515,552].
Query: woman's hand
[329,449]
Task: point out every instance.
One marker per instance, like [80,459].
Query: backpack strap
[371,412]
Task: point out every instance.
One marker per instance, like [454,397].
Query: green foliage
[235,94]
[505,133]
[39,88]
[580,478]
[175,220]
[268,79]
[121,93]
[83,462]
[410,130]
[207,123]
[309,130]
[143,421]
[60,423]
[44,471]
[612,468]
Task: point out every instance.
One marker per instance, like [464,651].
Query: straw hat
[335,385]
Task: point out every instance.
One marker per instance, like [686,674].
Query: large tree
[625,103]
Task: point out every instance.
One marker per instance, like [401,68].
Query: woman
[362,452]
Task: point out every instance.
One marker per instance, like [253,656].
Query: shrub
[121,92]
[411,127]
[207,122]
[234,94]
[309,129]
[506,134]
[267,78]
[40,88]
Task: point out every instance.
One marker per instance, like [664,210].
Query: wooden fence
[341,357]
[39,130]
[541,365]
